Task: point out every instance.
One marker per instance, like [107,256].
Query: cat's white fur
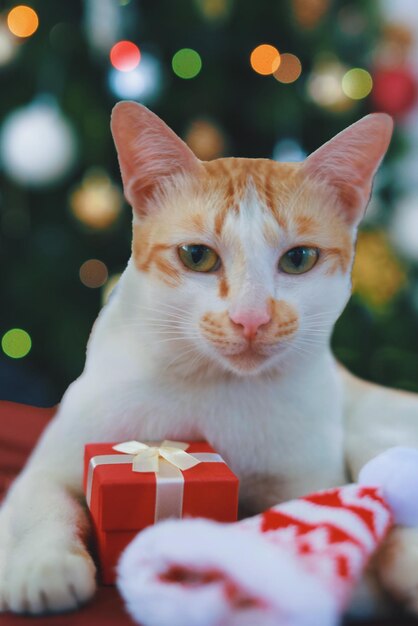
[304,426]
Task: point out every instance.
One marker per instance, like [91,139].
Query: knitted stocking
[294,565]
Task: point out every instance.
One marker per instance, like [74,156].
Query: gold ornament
[377,273]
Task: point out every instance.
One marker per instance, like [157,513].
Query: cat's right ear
[148,151]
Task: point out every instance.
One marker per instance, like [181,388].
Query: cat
[219,328]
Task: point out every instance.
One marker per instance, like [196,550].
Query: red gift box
[123,502]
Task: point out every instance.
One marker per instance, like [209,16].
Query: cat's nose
[250,321]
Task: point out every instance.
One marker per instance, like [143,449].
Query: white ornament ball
[395,471]
[37,145]
[404,227]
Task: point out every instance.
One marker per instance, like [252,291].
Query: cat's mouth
[248,358]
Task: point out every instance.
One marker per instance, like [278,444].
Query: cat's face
[246,262]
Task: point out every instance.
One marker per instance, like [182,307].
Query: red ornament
[395,90]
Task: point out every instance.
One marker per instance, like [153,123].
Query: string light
[186,63]
[125,56]
[22,21]
[289,70]
[357,83]
[265,59]
[16,343]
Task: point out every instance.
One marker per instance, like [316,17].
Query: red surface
[20,427]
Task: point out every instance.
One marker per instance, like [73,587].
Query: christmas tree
[233,78]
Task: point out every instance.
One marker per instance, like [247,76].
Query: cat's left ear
[349,161]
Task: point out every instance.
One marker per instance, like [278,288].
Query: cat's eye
[299,260]
[199,258]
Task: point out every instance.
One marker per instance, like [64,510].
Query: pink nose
[250,321]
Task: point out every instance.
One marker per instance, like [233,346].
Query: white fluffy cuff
[196,572]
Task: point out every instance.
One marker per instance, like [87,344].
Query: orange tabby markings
[170,274]
[223,287]
[305,225]
[302,208]
[284,323]
[149,257]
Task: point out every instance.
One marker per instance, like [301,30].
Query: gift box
[138,484]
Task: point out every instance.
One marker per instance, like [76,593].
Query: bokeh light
[186,63]
[38,145]
[265,59]
[325,86]
[205,139]
[16,343]
[8,44]
[290,68]
[109,286]
[93,273]
[22,21]
[404,226]
[309,12]
[215,9]
[378,274]
[125,56]
[288,150]
[143,83]
[96,202]
[357,83]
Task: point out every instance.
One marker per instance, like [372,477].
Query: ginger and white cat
[218,329]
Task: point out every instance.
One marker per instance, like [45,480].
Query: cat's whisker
[153,324]
[167,339]
[159,304]
[303,352]
[179,357]
[164,307]
[165,314]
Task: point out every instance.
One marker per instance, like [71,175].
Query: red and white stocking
[294,565]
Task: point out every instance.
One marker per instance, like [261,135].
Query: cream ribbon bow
[146,458]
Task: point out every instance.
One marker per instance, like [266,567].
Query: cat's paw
[44,580]
[397,566]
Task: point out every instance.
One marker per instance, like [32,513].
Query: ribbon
[169,479]
[146,458]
